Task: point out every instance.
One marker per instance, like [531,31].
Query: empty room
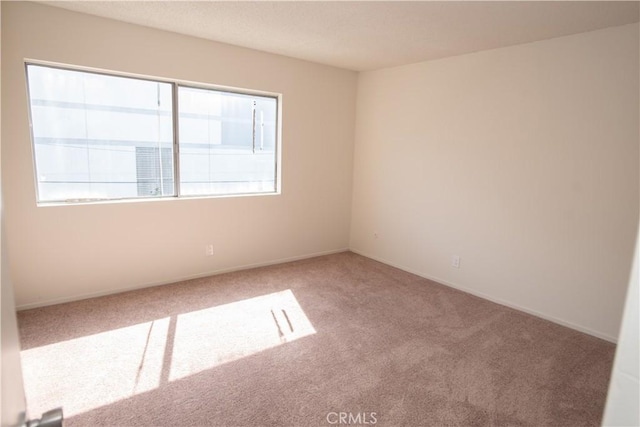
[320,213]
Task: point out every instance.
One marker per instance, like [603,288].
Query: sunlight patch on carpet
[210,337]
[96,370]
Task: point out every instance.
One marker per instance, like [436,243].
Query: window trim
[175,87]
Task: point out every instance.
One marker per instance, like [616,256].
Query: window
[227,142]
[103,137]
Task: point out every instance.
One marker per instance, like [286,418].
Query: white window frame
[176,84]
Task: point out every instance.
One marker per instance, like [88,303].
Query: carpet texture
[334,340]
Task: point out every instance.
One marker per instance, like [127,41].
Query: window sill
[151,199]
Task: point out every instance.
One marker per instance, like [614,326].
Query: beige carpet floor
[334,340]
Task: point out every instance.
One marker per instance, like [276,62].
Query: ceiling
[367,35]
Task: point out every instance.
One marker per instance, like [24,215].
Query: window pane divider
[176,140]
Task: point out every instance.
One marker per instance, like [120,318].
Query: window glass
[100,137]
[227,142]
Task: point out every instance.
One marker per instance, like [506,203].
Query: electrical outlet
[208,250]
[455,261]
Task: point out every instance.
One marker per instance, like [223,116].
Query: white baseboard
[500,301]
[482,295]
[79,297]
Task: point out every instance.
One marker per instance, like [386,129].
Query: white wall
[13,408]
[522,160]
[623,400]
[60,253]
[12,397]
